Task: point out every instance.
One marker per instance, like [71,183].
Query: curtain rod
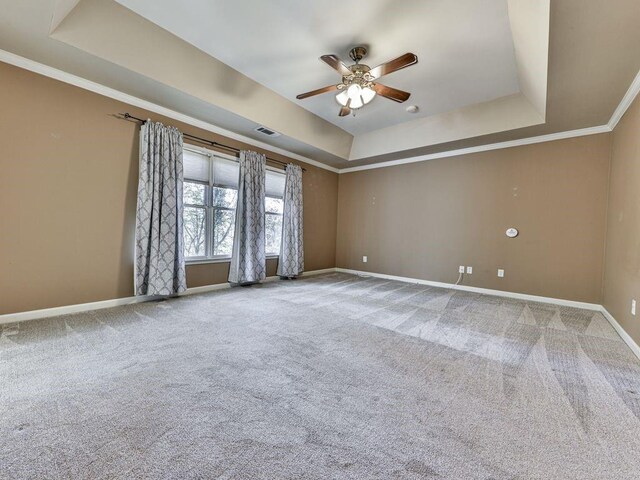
[127,116]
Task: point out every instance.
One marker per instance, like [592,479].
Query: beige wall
[68,177]
[622,272]
[423,220]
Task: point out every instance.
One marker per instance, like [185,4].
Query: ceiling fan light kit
[355,96]
[358,86]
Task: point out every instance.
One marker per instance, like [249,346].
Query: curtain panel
[291,262]
[159,249]
[248,260]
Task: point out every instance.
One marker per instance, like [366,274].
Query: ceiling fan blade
[329,88]
[335,63]
[391,93]
[394,65]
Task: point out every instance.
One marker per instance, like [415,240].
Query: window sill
[201,261]
[198,261]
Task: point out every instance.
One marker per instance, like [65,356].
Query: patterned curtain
[159,265]
[248,260]
[291,263]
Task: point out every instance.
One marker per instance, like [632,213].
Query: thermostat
[512,232]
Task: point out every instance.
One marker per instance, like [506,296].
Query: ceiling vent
[267,132]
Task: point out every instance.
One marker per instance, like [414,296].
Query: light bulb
[367,95]
[356,103]
[342,98]
[354,91]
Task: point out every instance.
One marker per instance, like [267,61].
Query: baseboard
[204,289]
[486,291]
[635,348]
[116,302]
[318,272]
[68,309]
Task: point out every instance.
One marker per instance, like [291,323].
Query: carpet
[327,377]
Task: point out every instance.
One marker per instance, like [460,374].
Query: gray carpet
[329,377]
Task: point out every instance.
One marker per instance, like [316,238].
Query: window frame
[210,208]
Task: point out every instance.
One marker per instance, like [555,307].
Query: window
[194,220]
[224,218]
[210,197]
[273,207]
[273,224]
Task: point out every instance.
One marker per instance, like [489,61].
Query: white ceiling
[465,48]
[590,47]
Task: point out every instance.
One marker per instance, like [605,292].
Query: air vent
[267,132]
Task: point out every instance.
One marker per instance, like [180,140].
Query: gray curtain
[291,263]
[248,260]
[159,256]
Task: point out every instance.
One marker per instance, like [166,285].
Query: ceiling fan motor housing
[358,53]
[360,75]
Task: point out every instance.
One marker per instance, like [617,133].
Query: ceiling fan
[358,86]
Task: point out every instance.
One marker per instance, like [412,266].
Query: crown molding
[626,102]
[623,106]
[484,148]
[51,72]
[47,71]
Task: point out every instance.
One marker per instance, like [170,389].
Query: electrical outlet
[633,307]
[469,270]
[364,259]
[500,273]
[461,269]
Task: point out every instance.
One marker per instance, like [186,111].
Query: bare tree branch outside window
[209,220]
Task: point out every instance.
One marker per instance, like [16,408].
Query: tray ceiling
[465,48]
[490,70]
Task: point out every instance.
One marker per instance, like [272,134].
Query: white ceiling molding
[47,71]
[487,65]
[623,106]
[484,148]
[626,102]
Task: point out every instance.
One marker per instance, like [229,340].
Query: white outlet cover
[633,307]
[469,270]
[364,259]
[461,269]
[500,273]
